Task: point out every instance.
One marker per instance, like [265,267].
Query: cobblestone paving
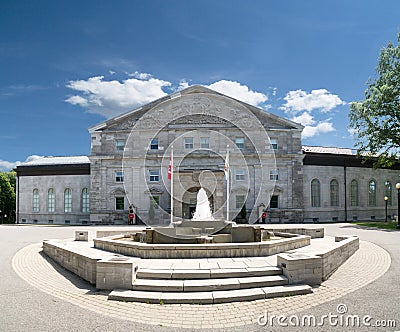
[368,264]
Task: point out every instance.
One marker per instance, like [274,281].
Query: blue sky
[67,65]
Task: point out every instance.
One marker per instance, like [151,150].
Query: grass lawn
[377,224]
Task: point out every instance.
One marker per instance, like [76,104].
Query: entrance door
[192,210]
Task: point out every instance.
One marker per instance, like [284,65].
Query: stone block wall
[83,266]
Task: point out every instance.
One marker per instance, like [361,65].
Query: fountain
[203,210]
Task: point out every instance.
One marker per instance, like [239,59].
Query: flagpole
[172,184]
[227,182]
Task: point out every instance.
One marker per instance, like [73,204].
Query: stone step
[146,273]
[212,297]
[205,285]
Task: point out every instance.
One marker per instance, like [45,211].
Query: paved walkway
[368,264]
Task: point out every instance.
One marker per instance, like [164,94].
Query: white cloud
[183,84]
[110,98]
[77,100]
[141,76]
[305,119]
[310,129]
[239,91]
[321,99]
[9,165]
[320,128]
[352,131]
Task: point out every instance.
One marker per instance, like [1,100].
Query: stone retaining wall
[81,265]
[314,268]
[332,259]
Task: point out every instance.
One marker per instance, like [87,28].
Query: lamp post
[386,204]
[398,204]
[1,216]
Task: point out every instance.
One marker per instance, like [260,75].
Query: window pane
[154,144]
[35,205]
[372,193]
[240,142]
[388,192]
[119,176]
[273,204]
[85,200]
[51,200]
[274,174]
[334,190]
[240,201]
[120,145]
[67,200]
[155,201]
[315,193]
[189,143]
[240,175]
[354,193]
[205,142]
[274,144]
[154,175]
[119,203]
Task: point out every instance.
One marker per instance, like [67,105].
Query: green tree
[7,196]
[376,119]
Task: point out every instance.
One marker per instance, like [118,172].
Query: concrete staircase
[208,286]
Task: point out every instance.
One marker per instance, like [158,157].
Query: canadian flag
[170,167]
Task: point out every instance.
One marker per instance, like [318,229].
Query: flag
[170,167]
[226,166]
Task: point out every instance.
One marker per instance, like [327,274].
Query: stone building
[268,169]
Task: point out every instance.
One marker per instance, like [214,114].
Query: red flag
[170,168]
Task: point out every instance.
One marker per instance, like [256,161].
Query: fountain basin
[284,242]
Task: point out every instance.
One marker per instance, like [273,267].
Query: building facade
[206,135]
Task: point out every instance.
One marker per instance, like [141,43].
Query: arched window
[50,200]
[388,192]
[334,190]
[68,200]
[372,193]
[315,193]
[85,200]
[35,202]
[354,193]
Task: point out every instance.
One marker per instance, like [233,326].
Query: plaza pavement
[368,284]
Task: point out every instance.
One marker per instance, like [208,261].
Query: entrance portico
[187,183]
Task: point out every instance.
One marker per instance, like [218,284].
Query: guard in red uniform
[263,217]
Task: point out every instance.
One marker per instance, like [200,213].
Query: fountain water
[203,210]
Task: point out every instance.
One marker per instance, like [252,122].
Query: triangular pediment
[194,105]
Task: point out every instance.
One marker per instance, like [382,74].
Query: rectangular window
[154,175]
[274,202]
[240,142]
[154,144]
[239,174]
[274,144]
[205,142]
[119,203]
[120,145]
[155,201]
[274,174]
[119,176]
[189,143]
[240,201]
